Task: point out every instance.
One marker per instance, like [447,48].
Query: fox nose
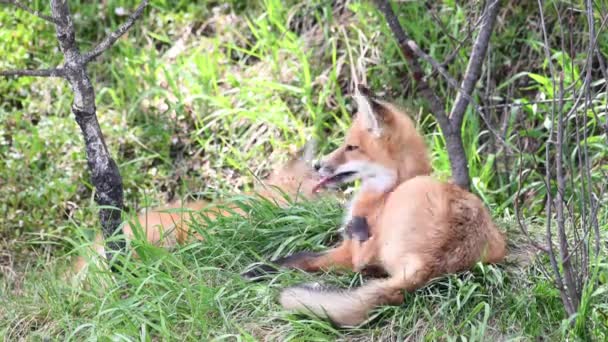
[317,165]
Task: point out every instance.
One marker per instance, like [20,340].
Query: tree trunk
[106,178]
[458,158]
[104,171]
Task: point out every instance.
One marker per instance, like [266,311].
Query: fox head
[382,148]
[297,176]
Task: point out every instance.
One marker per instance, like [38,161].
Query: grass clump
[195,292]
[199,97]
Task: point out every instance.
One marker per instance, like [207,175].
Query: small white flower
[121,11]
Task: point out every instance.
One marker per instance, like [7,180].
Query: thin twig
[583,255]
[444,29]
[564,246]
[110,39]
[592,47]
[456,154]
[559,281]
[521,104]
[18,4]
[579,257]
[604,71]
[518,214]
[55,72]
[436,105]
[452,55]
[454,84]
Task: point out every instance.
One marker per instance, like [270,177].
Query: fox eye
[351,148]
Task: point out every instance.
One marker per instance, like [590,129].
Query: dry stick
[110,39]
[473,72]
[604,70]
[592,47]
[56,72]
[444,29]
[577,254]
[602,64]
[504,128]
[549,235]
[104,171]
[564,246]
[573,257]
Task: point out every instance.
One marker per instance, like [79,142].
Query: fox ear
[371,111]
[307,152]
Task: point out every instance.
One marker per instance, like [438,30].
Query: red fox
[296,178]
[412,226]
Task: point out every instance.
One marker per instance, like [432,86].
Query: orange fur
[420,228]
[295,178]
[170,225]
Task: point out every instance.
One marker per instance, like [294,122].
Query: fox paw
[395,298]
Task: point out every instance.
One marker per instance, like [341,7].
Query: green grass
[198,98]
[195,292]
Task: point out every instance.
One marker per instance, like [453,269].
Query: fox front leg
[358,231]
[342,257]
[339,257]
[362,245]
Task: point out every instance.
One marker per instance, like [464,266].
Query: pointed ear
[307,152]
[372,112]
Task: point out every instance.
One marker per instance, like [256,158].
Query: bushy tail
[343,307]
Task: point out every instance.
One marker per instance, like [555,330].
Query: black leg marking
[374,271]
[259,271]
[297,260]
[358,229]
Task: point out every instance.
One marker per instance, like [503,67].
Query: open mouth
[333,179]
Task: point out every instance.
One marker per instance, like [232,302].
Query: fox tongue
[321,184]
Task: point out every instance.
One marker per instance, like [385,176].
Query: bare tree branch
[450,125]
[521,104]
[460,43]
[564,247]
[473,71]
[435,64]
[18,4]
[110,39]
[56,72]
[559,281]
[436,105]
[440,68]
[587,90]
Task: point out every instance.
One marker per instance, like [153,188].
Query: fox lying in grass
[169,225]
[410,225]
